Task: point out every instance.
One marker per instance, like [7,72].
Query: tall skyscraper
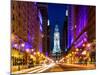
[44,12]
[65,34]
[70,26]
[48,38]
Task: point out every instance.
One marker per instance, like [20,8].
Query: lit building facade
[70,26]
[44,12]
[82,33]
[26,27]
[84,28]
[78,24]
[24,24]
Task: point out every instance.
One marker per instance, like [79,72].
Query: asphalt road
[56,68]
[62,67]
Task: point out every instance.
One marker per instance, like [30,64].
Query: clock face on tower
[56,35]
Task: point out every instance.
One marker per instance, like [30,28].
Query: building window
[13,17]
[13,6]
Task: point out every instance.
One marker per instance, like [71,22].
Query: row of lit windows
[16,18]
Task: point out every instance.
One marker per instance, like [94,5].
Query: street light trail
[69,67]
[36,71]
[49,66]
[42,68]
[26,70]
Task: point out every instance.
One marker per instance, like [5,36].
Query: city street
[69,67]
[36,69]
[55,68]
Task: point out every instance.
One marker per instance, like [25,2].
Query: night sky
[56,14]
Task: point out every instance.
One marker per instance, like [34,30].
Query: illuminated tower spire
[56,48]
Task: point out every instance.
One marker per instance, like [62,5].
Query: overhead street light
[22,44]
[88,45]
[27,50]
[77,49]
[83,45]
[84,52]
[32,50]
[15,45]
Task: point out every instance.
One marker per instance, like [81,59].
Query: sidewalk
[26,70]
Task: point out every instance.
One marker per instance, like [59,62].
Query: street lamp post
[27,50]
[22,45]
